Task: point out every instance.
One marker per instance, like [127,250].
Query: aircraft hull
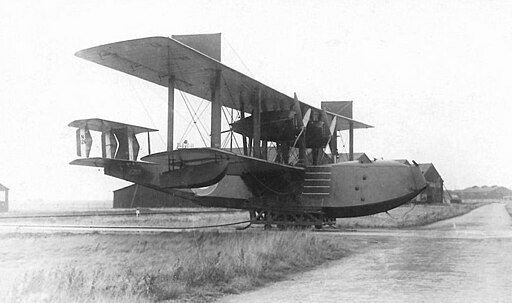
[365,209]
[369,209]
[354,189]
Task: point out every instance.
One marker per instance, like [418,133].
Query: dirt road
[465,259]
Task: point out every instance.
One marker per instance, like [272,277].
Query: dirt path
[468,259]
[488,217]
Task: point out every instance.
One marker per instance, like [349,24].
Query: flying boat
[300,185]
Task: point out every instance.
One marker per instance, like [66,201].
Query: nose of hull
[360,189]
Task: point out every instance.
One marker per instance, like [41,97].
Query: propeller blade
[305,120]
[296,107]
[302,147]
[332,129]
[298,137]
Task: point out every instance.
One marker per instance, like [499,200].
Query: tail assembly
[118,140]
[120,150]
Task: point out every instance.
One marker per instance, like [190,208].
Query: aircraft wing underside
[193,168]
[156,59]
[237,164]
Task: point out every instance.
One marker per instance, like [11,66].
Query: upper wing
[155,59]
[343,123]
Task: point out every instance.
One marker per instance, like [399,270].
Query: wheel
[267,226]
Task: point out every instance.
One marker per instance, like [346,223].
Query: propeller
[296,105]
[304,120]
[332,129]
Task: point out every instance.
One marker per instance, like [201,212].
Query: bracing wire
[343,148]
[145,109]
[200,113]
[189,128]
[234,105]
[197,117]
[236,142]
[231,136]
[225,142]
[194,120]
[239,58]
[193,113]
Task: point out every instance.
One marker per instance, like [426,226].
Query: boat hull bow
[361,189]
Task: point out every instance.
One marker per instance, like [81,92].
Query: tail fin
[342,108]
[83,142]
[118,140]
[208,44]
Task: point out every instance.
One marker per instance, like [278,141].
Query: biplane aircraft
[310,189]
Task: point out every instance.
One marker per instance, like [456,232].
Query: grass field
[185,266]
[192,266]
[409,216]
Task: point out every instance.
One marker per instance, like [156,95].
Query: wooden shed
[434,191]
[4,198]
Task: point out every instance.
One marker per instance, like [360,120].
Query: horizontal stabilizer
[161,175]
[101,125]
[139,172]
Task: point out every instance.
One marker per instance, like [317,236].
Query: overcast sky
[433,77]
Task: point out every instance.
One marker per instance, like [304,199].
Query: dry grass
[181,219]
[187,266]
[409,216]
[194,266]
